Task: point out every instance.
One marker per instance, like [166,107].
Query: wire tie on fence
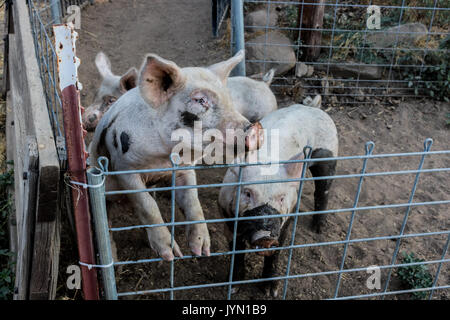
[90,266]
[85,185]
[74,185]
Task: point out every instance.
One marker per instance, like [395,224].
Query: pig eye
[109,100]
[203,102]
[247,194]
[112,100]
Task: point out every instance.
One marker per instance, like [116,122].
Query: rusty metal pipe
[67,63]
[76,159]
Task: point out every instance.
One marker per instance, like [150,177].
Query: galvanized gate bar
[297,246]
[235,220]
[436,276]
[308,152]
[427,146]
[235,228]
[299,276]
[96,181]
[238,42]
[369,149]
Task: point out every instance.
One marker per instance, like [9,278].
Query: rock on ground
[278,53]
[260,18]
[398,34]
[350,69]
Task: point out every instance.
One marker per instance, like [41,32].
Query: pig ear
[317,102]
[159,80]
[129,80]
[223,69]
[103,65]
[268,77]
[294,169]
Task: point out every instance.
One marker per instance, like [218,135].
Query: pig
[252,98]
[111,88]
[135,133]
[299,126]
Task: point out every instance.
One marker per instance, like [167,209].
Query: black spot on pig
[101,145]
[189,119]
[115,139]
[125,141]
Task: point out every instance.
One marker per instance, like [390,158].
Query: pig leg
[148,212]
[239,261]
[187,200]
[321,169]
[271,264]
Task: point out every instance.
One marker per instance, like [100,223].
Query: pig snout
[263,232]
[254,137]
[90,118]
[265,242]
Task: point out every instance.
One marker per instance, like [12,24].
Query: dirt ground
[181,31]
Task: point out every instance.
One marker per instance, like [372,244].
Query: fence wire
[340,39]
[43,15]
[439,277]
[346,58]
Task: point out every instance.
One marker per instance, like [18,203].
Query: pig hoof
[199,241]
[160,241]
[271,289]
[168,255]
[234,290]
[317,227]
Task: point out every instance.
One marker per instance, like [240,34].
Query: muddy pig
[136,133]
[111,88]
[298,126]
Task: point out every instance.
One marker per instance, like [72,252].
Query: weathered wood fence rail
[35,224]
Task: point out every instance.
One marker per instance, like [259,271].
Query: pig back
[299,126]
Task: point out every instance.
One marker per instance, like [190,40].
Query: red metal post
[76,159]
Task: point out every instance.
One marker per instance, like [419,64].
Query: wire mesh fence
[342,42]
[351,52]
[347,278]
[43,15]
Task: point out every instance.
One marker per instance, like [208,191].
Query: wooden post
[31,119]
[25,229]
[9,28]
[312,18]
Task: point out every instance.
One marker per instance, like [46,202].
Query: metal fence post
[56,12]
[76,154]
[96,180]
[238,42]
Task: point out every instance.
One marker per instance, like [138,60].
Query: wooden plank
[26,239]
[44,266]
[8,28]
[18,124]
[10,151]
[38,114]
[312,18]
[44,271]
